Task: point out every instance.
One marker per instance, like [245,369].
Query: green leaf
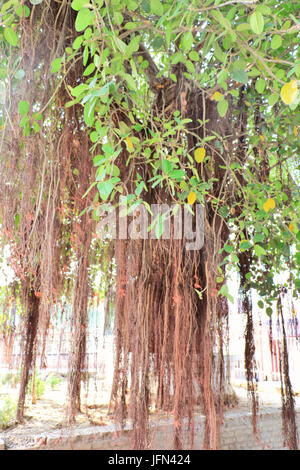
[140,188]
[167,166]
[239,76]
[22,10]
[224,211]
[24,121]
[90,69]
[132,4]
[17,221]
[228,248]
[23,107]
[178,175]
[187,41]
[36,2]
[156,7]
[78,4]
[146,6]
[259,250]
[118,17]
[157,42]
[194,56]
[243,27]
[245,245]
[83,19]
[101,92]
[88,112]
[56,64]
[77,43]
[190,67]
[108,149]
[273,99]
[219,54]
[36,127]
[220,19]
[130,82]
[79,89]
[276,42]
[258,237]
[225,291]
[94,136]
[177,57]
[269,311]
[222,107]
[260,85]
[133,46]
[10,36]
[257,22]
[264,9]
[105,188]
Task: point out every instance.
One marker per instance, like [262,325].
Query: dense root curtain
[165,337]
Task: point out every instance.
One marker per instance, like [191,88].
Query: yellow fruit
[269,204]
[192,197]
[289,92]
[200,154]
[217,96]
[295,131]
[129,143]
[291,227]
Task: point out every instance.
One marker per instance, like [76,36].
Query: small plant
[11,378]
[39,386]
[53,381]
[7,412]
[7,378]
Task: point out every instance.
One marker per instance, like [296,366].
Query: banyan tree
[120,107]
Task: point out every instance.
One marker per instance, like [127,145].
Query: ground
[48,413]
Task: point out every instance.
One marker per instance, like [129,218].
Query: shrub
[53,381]
[39,386]
[7,412]
[11,378]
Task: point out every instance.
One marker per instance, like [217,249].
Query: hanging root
[289,426]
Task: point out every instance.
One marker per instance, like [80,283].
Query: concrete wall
[237,435]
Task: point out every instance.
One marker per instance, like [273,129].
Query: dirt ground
[49,413]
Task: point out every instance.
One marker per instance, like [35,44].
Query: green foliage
[53,381]
[246,58]
[11,378]
[8,408]
[258,50]
[40,385]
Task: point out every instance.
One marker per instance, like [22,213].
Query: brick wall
[237,435]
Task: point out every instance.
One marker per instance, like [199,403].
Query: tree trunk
[31,325]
